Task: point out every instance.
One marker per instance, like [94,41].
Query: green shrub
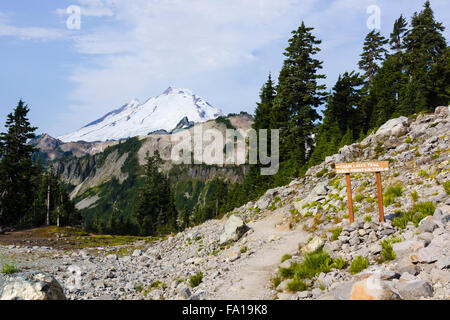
[359,198]
[336,233]
[370,200]
[359,264]
[379,148]
[368,218]
[446,186]
[387,252]
[418,212]
[156,284]
[339,263]
[313,264]
[392,193]
[321,173]
[414,196]
[423,173]
[194,281]
[244,249]
[285,257]
[9,268]
[408,140]
[276,282]
[296,285]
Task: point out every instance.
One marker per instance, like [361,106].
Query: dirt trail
[249,278]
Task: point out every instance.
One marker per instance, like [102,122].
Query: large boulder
[31,286]
[315,244]
[427,224]
[394,127]
[429,254]
[415,289]
[319,193]
[372,288]
[234,229]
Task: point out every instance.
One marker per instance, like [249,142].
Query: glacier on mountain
[163,112]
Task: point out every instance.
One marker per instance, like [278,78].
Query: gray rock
[429,254]
[184,294]
[409,268]
[443,262]
[394,127]
[426,236]
[387,232]
[427,225]
[31,286]
[234,229]
[315,244]
[437,213]
[137,253]
[339,291]
[445,219]
[304,294]
[354,241]
[410,290]
[111,257]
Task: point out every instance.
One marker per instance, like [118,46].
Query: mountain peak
[176,90]
[163,112]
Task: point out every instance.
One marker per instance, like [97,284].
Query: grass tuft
[359,264]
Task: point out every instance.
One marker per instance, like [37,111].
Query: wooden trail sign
[363,167]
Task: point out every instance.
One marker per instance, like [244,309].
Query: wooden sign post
[363,167]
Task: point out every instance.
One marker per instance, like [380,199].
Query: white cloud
[28,33]
[154,44]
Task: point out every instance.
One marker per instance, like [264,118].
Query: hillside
[407,255]
[104,177]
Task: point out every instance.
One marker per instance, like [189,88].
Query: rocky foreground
[239,257]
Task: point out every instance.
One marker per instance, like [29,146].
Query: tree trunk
[48,202]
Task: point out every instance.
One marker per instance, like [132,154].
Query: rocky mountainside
[163,112]
[295,242]
[96,171]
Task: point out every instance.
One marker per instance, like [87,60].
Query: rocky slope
[306,215]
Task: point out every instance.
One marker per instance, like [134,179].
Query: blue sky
[222,50]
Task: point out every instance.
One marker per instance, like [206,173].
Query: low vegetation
[418,212]
[313,264]
[359,264]
[392,193]
[194,281]
[387,252]
[10,268]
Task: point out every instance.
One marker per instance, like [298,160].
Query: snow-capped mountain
[163,112]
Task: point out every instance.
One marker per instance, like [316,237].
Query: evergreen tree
[298,97]
[17,171]
[396,38]
[264,110]
[386,90]
[425,46]
[373,51]
[155,209]
[342,122]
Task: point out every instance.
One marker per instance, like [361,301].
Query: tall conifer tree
[425,46]
[298,96]
[16,167]
[396,38]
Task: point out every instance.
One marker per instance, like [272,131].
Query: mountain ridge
[163,112]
